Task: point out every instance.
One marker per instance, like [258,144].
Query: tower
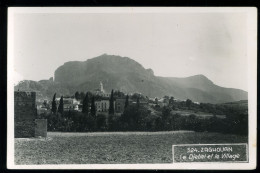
[25,113]
[101,87]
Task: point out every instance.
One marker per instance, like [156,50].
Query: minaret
[101,87]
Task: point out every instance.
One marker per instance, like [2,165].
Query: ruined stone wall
[25,113]
[41,128]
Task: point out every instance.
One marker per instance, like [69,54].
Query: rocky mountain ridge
[127,75]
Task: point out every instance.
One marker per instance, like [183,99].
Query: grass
[110,148]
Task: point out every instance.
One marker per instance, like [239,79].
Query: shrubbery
[138,117]
[141,119]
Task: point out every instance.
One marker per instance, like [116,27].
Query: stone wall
[41,128]
[25,113]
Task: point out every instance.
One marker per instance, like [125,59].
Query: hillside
[129,76]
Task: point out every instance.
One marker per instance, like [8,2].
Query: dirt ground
[110,147]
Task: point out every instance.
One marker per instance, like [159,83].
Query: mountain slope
[201,88]
[129,76]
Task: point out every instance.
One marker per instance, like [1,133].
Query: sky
[172,44]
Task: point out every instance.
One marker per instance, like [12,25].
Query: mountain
[43,88]
[129,76]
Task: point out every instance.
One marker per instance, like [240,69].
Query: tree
[137,103]
[188,103]
[192,122]
[82,95]
[171,101]
[119,94]
[77,96]
[158,124]
[114,123]
[166,112]
[137,95]
[126,101]
[45,103]
[101,122]
[166,116]
[90,123]
[54,106]
[93,107]
[111,103]
[166,97]
[135,119]
[156,101]
[61,106]
[129,118]
[85,106]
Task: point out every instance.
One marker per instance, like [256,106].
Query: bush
[101,122]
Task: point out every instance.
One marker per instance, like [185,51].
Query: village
[99,110]
[75,103]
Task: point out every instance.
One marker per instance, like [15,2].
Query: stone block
[40,127]
[24,128]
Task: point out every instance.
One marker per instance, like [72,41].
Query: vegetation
[111,103]
[118,94]
[81,95]
[85,106]
[61,106]
[126,101]
[54,106]
[77,96]
[139,117]
[93,107]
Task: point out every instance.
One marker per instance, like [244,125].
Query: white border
[252,84]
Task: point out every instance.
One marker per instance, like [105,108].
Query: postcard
[132,88]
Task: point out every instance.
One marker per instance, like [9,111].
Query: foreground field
[109,148]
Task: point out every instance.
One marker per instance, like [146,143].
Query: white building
[69,104]
[100,91]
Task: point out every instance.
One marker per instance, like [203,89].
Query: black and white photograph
[132,87]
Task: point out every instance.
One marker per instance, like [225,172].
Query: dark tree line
[137,117]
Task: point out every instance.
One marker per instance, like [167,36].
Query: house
[142,103]
[162,102]
[196,103]
[102,105]
[42,110]
[69,103]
